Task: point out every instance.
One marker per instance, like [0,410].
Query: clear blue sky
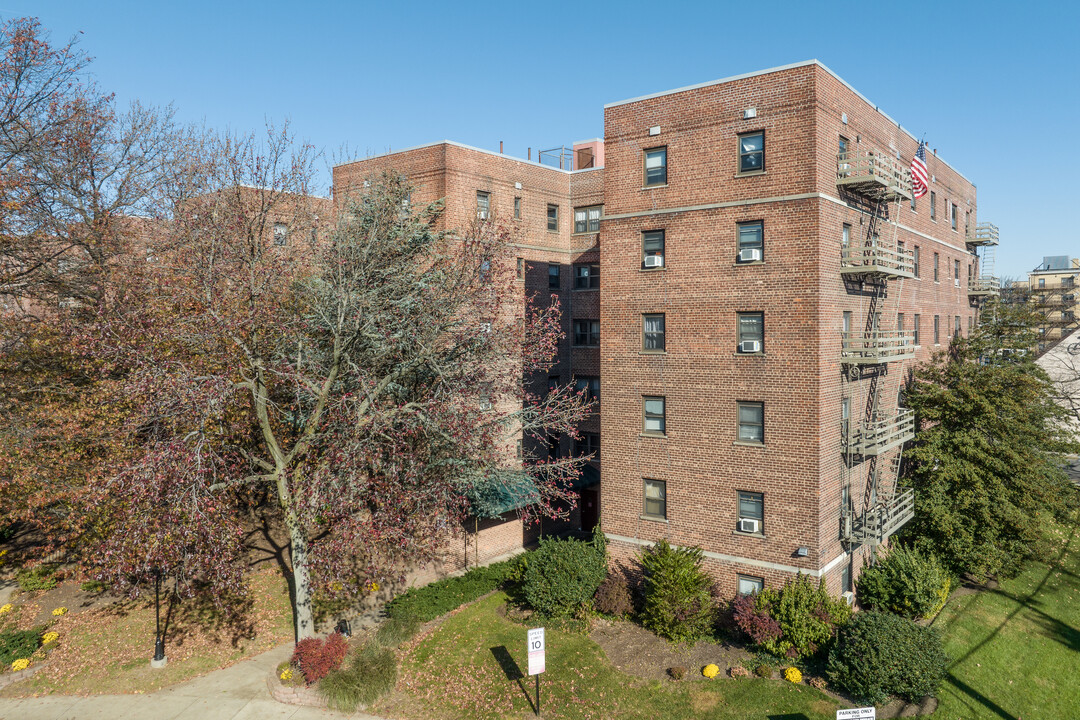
[994,86]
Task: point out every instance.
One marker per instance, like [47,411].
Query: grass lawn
[107,650]
[1016,648]
[461,671]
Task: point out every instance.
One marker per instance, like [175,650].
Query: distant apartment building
[746,278]
[1052,287]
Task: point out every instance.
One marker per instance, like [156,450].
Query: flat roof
[535,163]
[769,71]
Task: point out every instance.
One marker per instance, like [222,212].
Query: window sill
[653,187]
[659,436]
[757,354]
[653,269]
[654,518]
[759,536]
[745,264]
[744,443]
[652,352]
[582,347]
[750,173]
[586,289]
[586,232]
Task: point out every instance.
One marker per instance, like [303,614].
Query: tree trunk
[302,612]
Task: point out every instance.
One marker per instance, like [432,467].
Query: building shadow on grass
[512,671]
[788,716]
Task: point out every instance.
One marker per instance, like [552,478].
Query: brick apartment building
[766,279]
[1053,287]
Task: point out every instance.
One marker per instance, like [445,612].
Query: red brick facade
[797,376]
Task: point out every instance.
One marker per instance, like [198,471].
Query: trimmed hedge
[879,654]
[906,582]
[431,601]
[562,576]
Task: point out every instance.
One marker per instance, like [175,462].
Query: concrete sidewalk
[235,693]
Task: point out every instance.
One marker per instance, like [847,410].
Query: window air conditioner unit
[747,525]
[654,261]
[749,255]
[750,346]
[482,214]
[956,282]
[849,598]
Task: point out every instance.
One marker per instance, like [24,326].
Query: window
[845,579]
[652,249]
[1042,282]
[590,386]
[517,208]
[553,383]
[553,277]
[915,260]
[845,417]
[956,269]
[956,326]
[751,513]
[656,499]
[281,234]
[748,585]
[915,322]
[483,205]
[586,332]
[656,167]
[751,329]
[845,237]
[521,268]
[587,277]
[913,202]
[933,206]
[751,242]
[900,322]
[552,217]
[936,259]
[847,321]
[751,422]
[485,396]
[588,444]
[652,332]
[937,330]
[752,152]
[655,416]
[843,146]
[587,219]
[952,215]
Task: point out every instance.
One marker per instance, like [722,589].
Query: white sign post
[866,713]
[536,659]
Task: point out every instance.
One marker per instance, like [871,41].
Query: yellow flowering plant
[49,637]
[793,675]
[20,664]
[59,611]
[287,674]
[710,671]
[5,609]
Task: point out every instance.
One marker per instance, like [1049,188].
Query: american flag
[919,178]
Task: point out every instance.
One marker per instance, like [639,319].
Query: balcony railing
[877,524]
[876,347]
[877,258]
[984,286]
[986,233]
[873,174]
[880,435]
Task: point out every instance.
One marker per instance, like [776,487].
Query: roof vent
[749,113]
[654,130]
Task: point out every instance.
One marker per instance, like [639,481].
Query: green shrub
[39,578]
[370,673]
[563,574]
[879,654]
[679,603]
[94,586]
[15,644]
[396,630]
[907,582]
[431,601]
[763,671]
[806,614]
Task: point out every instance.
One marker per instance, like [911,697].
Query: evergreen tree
[986,459]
